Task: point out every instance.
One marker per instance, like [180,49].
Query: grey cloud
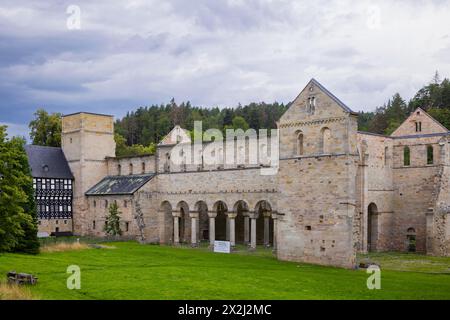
[136,53]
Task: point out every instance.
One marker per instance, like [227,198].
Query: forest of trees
[433,98]
[148,125]
[140,130]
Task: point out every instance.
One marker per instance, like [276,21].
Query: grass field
[133,271]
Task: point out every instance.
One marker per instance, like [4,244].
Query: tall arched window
[406,156]
[430,159]
[386,150]
[325,141]
[119,169]
[143,167]
[299,143]
[131,168]
[372,227]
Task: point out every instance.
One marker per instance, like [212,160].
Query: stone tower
[318,166]
[86,140]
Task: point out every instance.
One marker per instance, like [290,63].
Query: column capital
[267,213]
[176,214]
[253,214]
[193,214]
[231,215]
[212,214]
[245,212]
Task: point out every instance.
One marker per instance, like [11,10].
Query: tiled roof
[48,162]
[119,185]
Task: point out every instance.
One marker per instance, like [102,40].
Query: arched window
[430,159]
[119,169]
[372,227]
[106,203]
[143,167]
[325,141]
[299,143]
[411,239]
[406,156]
[131,168]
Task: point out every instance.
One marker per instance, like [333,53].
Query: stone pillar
[176,227]
[194,218]
[212,228]
[246,227]
[232,227]
[253,216]
[275,230]
[266,229]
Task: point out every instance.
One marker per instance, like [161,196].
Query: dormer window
[45,168]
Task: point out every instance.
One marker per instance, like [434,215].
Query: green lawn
[134,271]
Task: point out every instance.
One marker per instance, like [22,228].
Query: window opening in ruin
[411,239]
[430,159]
[406,156]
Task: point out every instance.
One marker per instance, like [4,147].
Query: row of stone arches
[238,224]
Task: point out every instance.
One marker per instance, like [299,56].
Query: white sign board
[42,235]
[222,246]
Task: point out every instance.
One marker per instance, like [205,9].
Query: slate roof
[119,185]
[48,162]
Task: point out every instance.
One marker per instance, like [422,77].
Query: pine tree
[112,225]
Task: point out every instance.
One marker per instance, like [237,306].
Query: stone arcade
[337,191]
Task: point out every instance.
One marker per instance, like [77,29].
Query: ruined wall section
[414,185]
[438,215]
[375,186]
[131,165]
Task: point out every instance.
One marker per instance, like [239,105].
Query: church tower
[86,140]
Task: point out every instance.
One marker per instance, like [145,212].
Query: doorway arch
[221,220]
[184,227]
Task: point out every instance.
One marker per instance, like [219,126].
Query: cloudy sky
[127,54]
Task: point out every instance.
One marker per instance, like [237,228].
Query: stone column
[246,227]
[267,229]
[253,216]
[275,230]
[232,227]
[212,228]
[194,217]
[176,227]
